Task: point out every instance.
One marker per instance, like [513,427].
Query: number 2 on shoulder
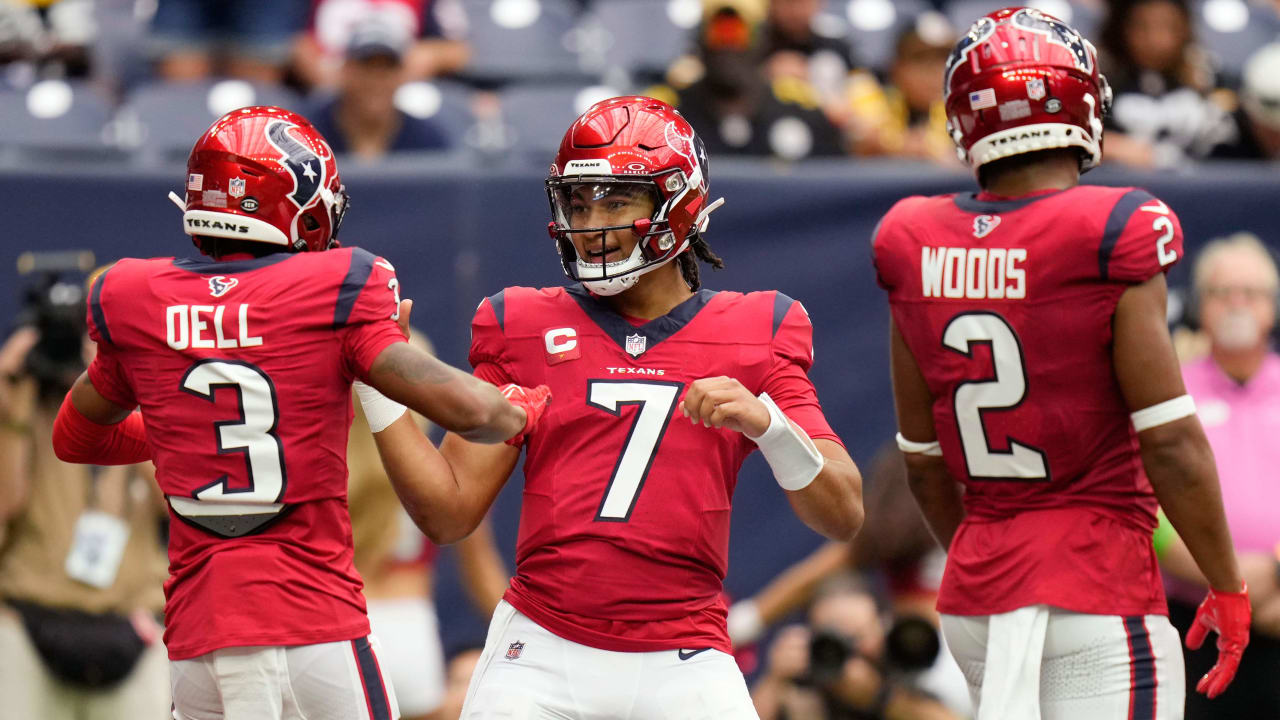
[1163,225]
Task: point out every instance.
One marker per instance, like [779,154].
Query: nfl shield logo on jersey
[236,187]
[514,650]
[635,344]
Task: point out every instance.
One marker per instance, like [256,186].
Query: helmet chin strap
[182,204]
[614,285]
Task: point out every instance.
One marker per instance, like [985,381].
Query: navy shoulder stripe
[498,302]
[95,306]
[1116,222]
[357,275]
[781,304]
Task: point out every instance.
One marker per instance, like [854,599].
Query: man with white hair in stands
[1257,135]
[1237,389]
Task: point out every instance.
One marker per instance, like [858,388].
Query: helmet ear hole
[310,223]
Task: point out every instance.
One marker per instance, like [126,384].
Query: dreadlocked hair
[698,250]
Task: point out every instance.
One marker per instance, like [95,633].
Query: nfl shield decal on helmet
[1035,89]
[235,188]
[636,344]
[514,650]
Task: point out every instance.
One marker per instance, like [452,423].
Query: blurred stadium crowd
[137,79]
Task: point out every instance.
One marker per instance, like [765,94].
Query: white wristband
[1165,412]
[791,454]
[379,409]
[911,447]
[745,624]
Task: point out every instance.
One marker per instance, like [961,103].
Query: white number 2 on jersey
[657,401]
[217,507]
[1006,388]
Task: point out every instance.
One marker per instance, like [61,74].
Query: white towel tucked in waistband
[1011,681]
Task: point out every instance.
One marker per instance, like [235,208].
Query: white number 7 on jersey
[657,401]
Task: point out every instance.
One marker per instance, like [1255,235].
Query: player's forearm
[939,496]
[450,398]
[81,439]
[422,479]
[832,503]
[481,472]
[1180,465]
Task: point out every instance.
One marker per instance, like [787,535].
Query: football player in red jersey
[662,389]
[242,364]
[1032,364]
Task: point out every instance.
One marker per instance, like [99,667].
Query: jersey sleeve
[106,372]
[788,380]
[487,341]
[1142,237]
[886,245]
[366,311]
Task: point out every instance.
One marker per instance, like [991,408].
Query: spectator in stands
[838,665]
[1165,110]
[438,29]
[54,36]
[1257,131]
[736,108]
[794,45]
[81,559]
[1237,393]
[363,120]
[907,118]
[247,39]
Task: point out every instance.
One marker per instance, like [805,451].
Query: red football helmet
[1022,81]
[264,174]
[631,143]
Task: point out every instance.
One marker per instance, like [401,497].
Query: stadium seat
[53,114]
[874,26]
[607,36]
[1076,14]
[443,102]
[521,40]
[1232,30]
[538,115]
[164,119]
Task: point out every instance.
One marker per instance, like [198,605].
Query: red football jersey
[1007,305]
[243,372]
[624,527]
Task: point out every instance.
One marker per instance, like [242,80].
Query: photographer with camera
[843,665]
[81,559]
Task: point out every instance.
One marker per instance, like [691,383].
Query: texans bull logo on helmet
[301,162]
[1058,32]
[980,31]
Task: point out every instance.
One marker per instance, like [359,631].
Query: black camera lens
[912,644]
[828,652]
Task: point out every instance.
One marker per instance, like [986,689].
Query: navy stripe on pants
[1142,673]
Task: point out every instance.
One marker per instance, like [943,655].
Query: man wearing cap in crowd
[362,120]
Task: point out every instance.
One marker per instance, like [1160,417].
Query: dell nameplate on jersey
[973,273]
[202,326]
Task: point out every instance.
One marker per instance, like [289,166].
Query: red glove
[533,401]
[1228,615]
